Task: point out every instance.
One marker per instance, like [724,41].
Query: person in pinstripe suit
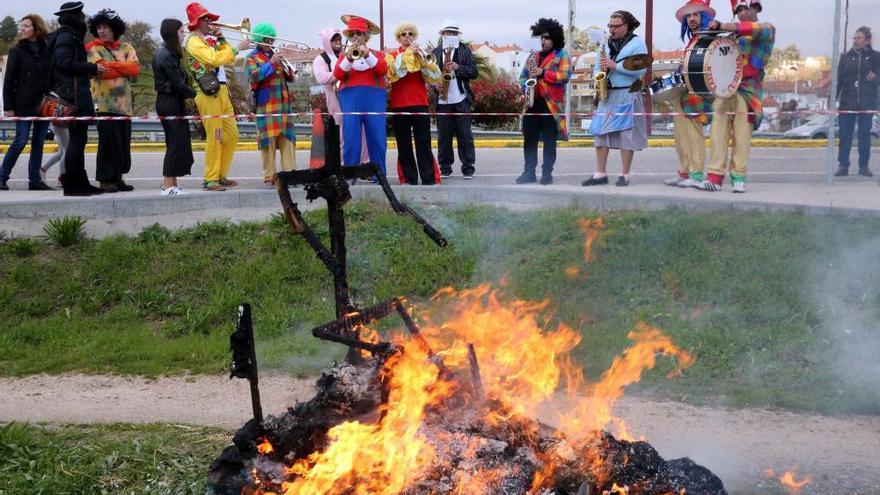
[460,63]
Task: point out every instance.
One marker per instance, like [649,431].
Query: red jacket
[374,77]
[410,90]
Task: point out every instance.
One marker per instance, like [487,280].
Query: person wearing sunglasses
[619,122]
[741,113]
[362,93]
[111,92]
[545,119]
[409,72]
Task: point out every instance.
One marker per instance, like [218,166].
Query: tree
[138,33]
[8,29]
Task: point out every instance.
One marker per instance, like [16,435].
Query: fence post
[832,96]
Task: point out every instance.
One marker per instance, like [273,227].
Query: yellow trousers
[689,144]
[221,134]
[726,127]
[288,156]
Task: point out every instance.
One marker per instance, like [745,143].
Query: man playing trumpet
[207,52]
[269,75]
[361,75]
[408,72]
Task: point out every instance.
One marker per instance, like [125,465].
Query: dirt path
[841,454]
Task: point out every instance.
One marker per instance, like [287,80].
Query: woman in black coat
[172,91]
[71,82]
[859,76]
[24,85]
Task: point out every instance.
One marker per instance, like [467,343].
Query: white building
[506,58]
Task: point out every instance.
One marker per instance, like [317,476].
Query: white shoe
[172,191]
[739,187]
[43,175]
[674,182]
[690,183]
[708,185]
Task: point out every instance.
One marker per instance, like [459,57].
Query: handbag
[209,83]
[56,106]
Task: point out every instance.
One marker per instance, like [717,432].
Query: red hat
[195,11]
[357,23]
[694,6]
[735,4]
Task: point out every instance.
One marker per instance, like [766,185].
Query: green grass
[111,459]
[779,309]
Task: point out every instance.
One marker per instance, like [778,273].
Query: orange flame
[522,366]
[590,229]
[789,480]
[265,447]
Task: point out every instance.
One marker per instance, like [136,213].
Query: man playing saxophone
[457,61]
[409,69]
[545,118]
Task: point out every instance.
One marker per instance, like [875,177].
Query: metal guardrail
[153,127]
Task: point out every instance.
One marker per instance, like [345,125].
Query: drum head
[724,67]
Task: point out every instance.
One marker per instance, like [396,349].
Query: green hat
[262,31]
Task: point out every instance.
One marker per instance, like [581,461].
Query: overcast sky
[807,23]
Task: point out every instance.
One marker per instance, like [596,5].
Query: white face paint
[450,41]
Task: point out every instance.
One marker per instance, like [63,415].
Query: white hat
[450,25]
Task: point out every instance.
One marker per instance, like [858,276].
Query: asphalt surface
[501,167]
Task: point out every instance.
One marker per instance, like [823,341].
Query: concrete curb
[107,215]
[303,145]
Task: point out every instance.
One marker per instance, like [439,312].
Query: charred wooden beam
[403,209]
[418,338]
[376,349]
[244,357]
[476,378]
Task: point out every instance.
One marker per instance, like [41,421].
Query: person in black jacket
[457,61]
[25,84]
[172,91]
[859,75]
[71,82]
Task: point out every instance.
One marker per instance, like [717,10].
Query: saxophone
[531,82]
[602,77]
[447,76]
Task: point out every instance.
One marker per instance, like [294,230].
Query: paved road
[501,166]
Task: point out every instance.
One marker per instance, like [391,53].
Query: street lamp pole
[381,25]
[649,40]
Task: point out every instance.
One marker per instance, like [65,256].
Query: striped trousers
[460,127]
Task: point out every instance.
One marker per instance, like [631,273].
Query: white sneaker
[43,175]
[739,187]
[674,182]
[690,183]
[172,191]
[708,185]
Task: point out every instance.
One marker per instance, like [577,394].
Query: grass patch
[111,459]
[779,309]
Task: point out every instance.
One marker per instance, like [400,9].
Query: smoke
[847,294]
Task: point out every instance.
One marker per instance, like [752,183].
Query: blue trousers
[847,128]
[22,131]
[363,99]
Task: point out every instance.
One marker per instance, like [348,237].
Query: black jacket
[169,77]
[27,78]
[72,71]
[856,92]
[467,68]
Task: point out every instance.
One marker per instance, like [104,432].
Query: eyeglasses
[615,26]
[408,33]
[111,14]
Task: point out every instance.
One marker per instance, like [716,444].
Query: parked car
[817,128]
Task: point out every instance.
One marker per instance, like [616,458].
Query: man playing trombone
[207,52]
[269,74]
[410,68]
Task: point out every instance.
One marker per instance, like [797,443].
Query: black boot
[527,178]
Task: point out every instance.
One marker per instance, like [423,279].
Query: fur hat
[553,28]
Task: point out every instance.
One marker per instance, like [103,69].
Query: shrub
[499,96]
[65,231]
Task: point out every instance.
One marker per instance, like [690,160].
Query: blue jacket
[620,77]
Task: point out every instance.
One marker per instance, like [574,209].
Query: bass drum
[713,66]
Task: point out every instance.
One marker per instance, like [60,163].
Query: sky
[806,23]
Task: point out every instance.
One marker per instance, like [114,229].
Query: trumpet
[355,52]
[427,55]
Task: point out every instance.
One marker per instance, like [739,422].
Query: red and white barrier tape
[98,118]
